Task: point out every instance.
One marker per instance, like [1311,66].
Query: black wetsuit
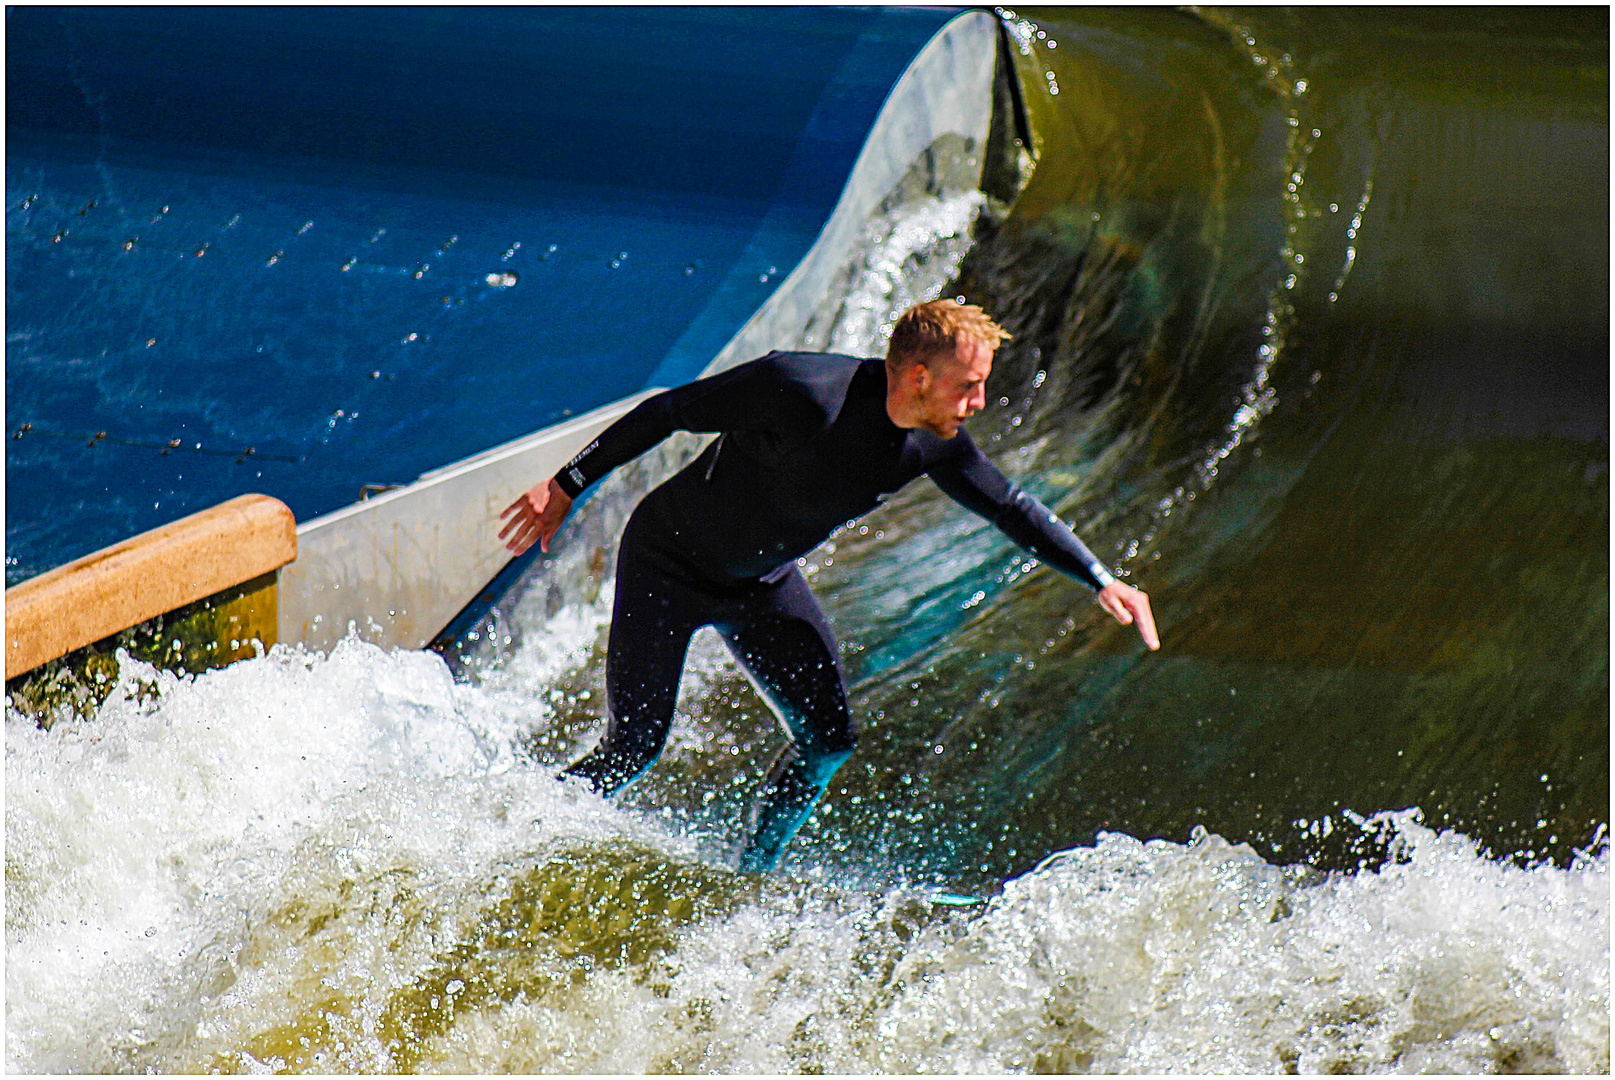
[804,445]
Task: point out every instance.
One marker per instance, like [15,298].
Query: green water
[1320,306]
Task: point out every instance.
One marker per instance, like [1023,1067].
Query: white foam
[1156,957]
[146,846]
[905,256]
[1129,957]
[287,849]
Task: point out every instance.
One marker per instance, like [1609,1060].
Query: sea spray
[350,862]
[1160,957]
[157,852]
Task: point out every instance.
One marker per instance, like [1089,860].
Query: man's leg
[786,647]
[652,621]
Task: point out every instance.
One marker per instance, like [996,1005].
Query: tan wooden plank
[147,575]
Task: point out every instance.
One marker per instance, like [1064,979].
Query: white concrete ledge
[401,565]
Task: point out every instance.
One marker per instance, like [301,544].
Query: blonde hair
[938,326]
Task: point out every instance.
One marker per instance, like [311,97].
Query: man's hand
[1130,605]
[538,512]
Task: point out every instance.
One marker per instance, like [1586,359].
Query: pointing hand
[1130,605]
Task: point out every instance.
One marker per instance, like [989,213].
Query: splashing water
[352,862]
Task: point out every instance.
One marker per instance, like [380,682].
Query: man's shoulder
[815,379]
[810,367]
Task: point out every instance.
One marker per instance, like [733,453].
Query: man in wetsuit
[806,442]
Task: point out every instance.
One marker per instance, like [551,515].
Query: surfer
[806,442]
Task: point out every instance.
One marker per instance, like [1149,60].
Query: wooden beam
[147,575]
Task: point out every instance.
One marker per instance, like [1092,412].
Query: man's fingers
[520,530]
[536,515]
[1113,603]
[535,498]
[519,523]
[1130,607]
[523,539]
[1146,621]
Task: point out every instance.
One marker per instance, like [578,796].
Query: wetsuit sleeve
[975,483]
[744,396]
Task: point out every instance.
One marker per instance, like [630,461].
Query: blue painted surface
[275,228]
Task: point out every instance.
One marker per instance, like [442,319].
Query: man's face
[953,386]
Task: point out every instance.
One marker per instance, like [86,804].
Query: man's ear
[919,377]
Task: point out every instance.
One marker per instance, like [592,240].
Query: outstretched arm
[736,398]
[538,512]
[974,482]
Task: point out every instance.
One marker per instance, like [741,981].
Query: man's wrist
[570,481]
